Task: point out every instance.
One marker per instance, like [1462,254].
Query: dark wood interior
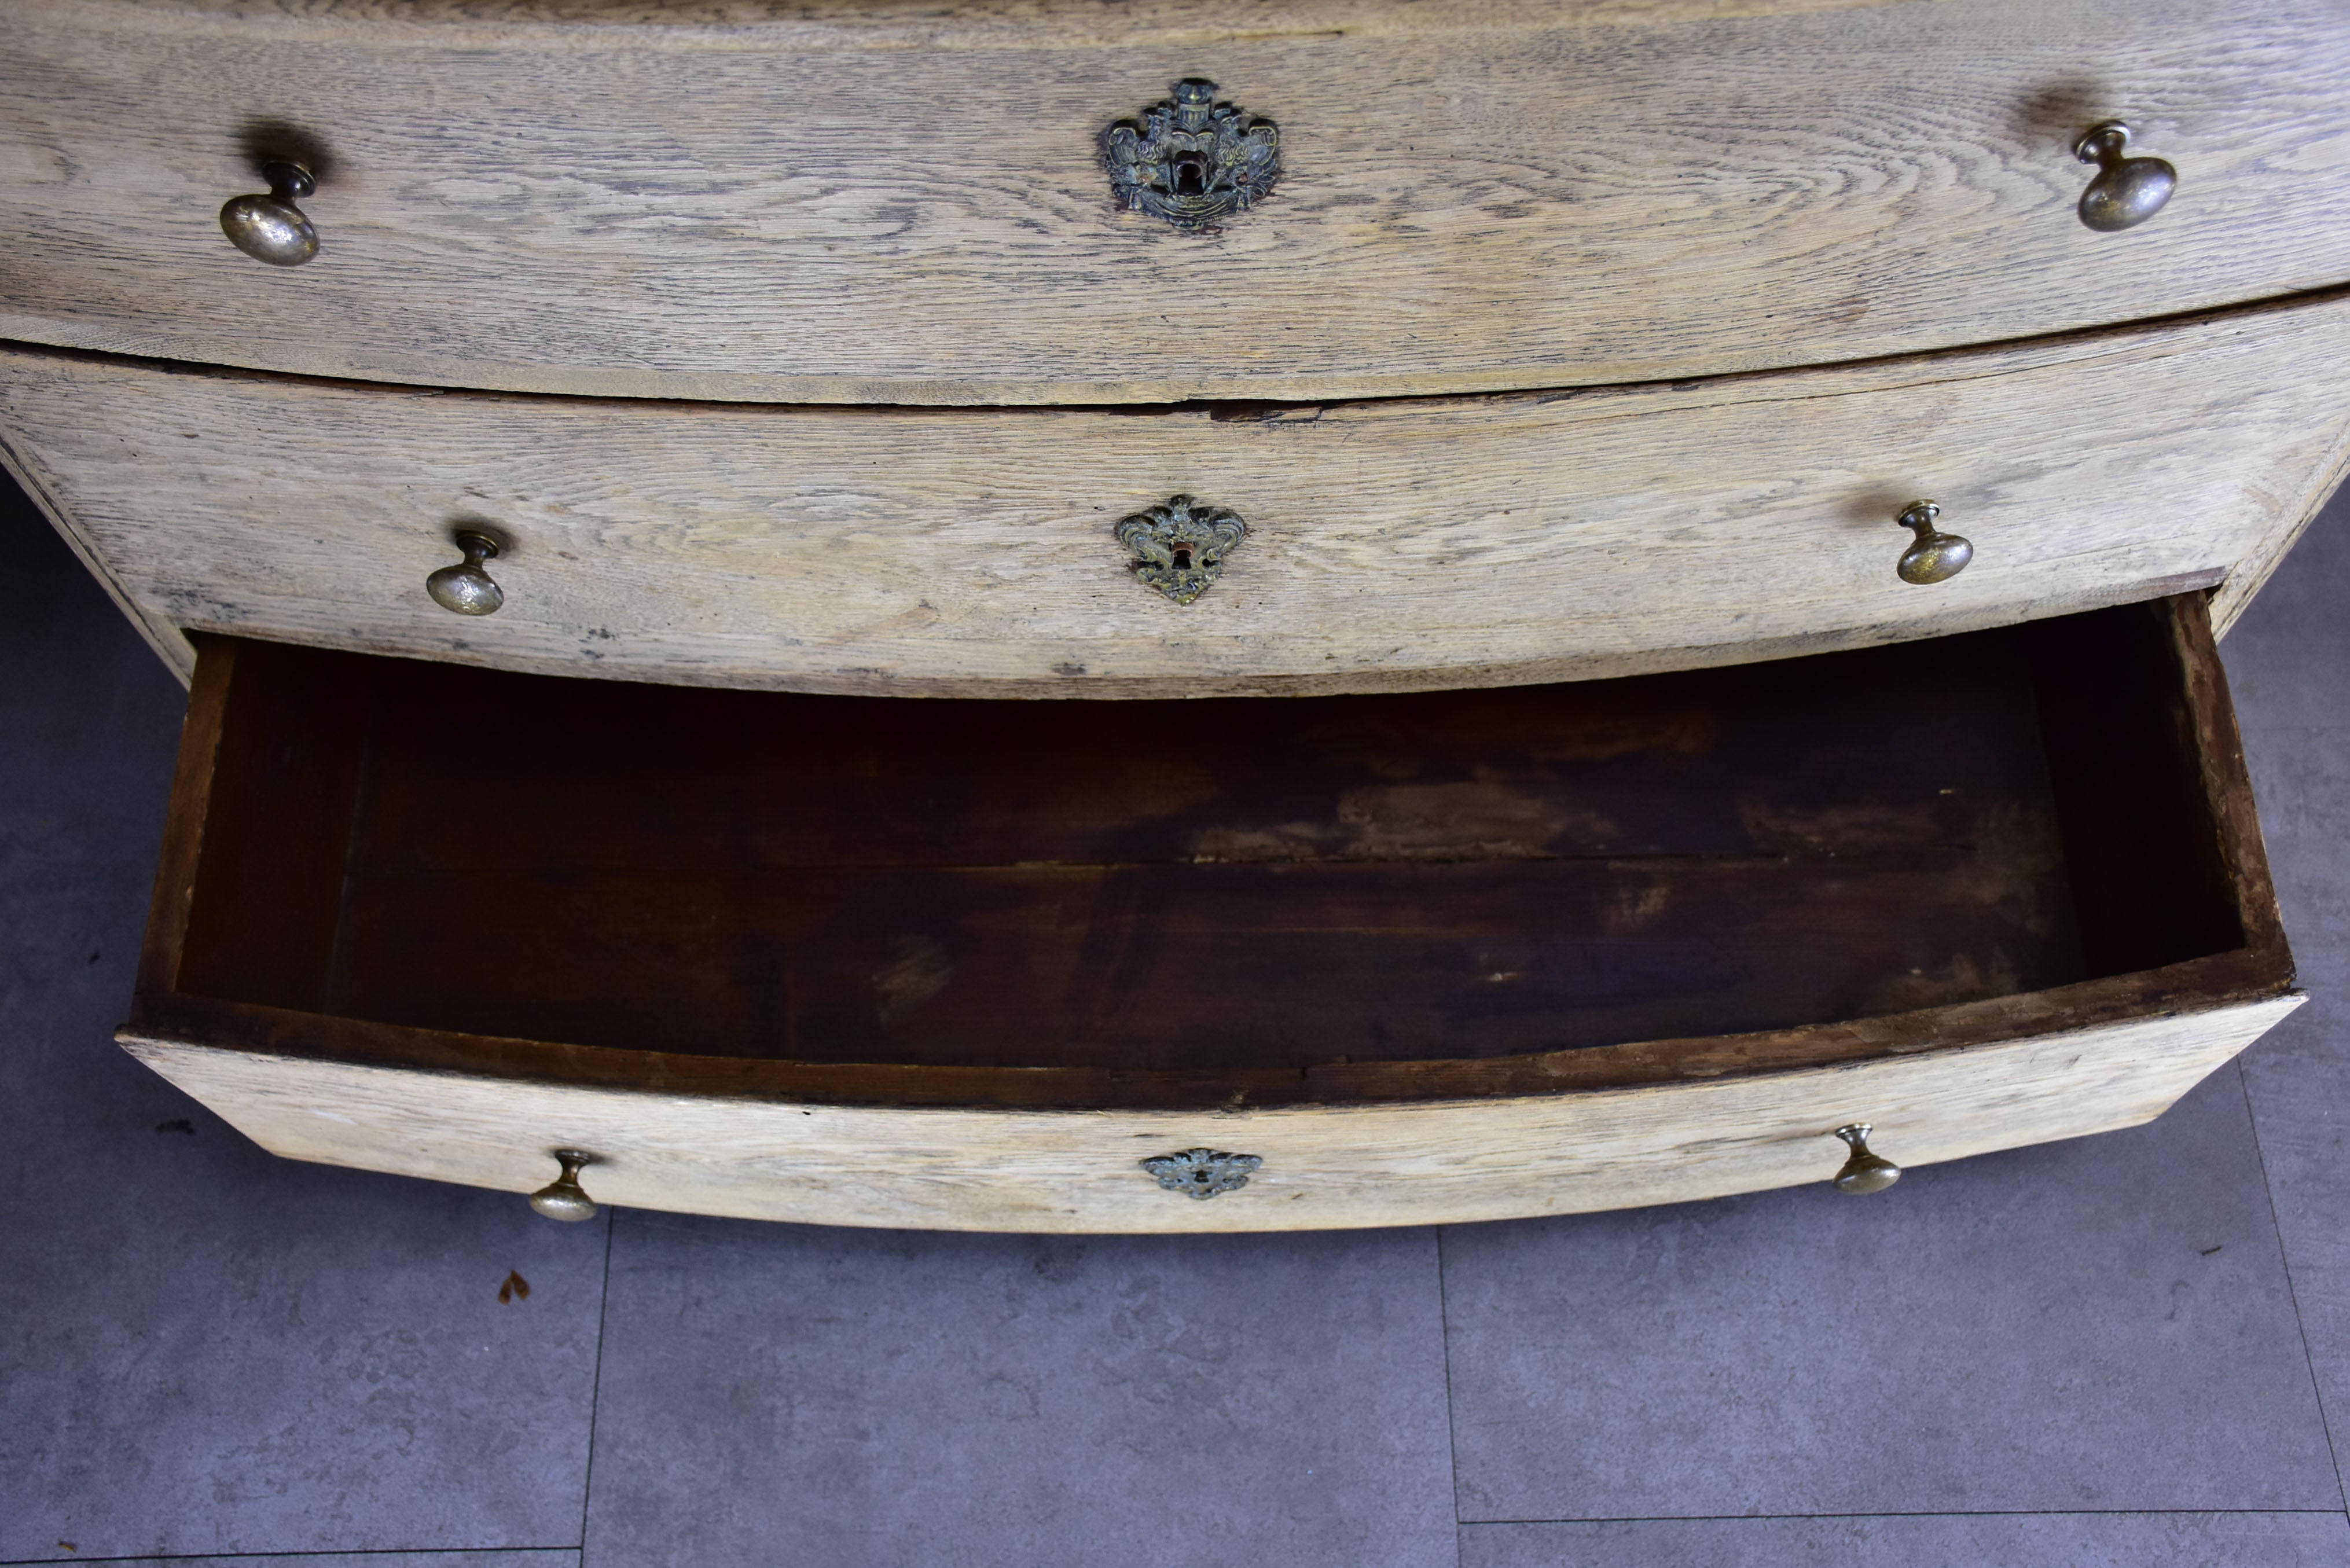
[1205,887]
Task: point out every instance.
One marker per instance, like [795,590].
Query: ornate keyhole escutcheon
[1191,160]
[1179,548]
[1202,1172]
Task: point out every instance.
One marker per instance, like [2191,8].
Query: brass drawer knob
[1191,160]
[272,228]
[1935,556]
[467,589]
[564,1198]
[1863,1172]
[2126,190]
[1202,1172]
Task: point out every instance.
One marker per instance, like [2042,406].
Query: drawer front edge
[1323,1167]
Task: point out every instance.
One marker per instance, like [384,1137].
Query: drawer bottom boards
[1428,957]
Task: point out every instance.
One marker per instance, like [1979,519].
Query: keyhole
[1182,557]
[1190,175]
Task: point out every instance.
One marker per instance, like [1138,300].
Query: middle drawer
[1397,543]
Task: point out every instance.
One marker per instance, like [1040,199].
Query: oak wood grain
[2243,975]
[1231,887]
[181,856]
[168,644]
[922,24]
[1412,543]
[1346,1142]
[2250,574]
[1324,1167]
[897,203]
[1145,887]
[2157,751]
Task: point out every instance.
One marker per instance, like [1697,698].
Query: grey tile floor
[2122,1351]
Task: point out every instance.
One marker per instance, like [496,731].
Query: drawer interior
[1205,885]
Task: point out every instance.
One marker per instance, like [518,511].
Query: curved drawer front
[1370,961]
[982,1169]
[1387,545]
[864,209]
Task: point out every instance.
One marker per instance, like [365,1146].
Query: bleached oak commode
[1639,581]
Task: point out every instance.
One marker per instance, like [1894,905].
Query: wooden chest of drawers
[1582,345]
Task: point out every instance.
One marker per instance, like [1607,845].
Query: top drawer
[884,205]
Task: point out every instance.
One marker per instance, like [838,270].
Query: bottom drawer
[1429,956]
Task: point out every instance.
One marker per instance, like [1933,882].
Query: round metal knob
[467,589]
[564,1198]
[1935,556]
[1863,1172]
[272,228]
[2126,190]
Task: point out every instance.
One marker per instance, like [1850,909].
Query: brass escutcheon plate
[1191,160]
[1178,546]
[1202,1172]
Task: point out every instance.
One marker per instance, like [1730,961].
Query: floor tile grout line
[596,1382]
[2292,1292]
[1910,1514]
[1444,1348]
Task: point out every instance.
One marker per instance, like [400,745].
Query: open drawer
[1426,957]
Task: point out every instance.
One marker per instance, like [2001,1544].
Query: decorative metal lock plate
[1191,160]
[1180,547]
[1202,1172]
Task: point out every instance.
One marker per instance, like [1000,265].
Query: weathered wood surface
[1234,886]
[922,24]
[1347,1143]
[1392,543]
[263,849]
[167,642]
[876,204]
[2229,601]
[1324,1167]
